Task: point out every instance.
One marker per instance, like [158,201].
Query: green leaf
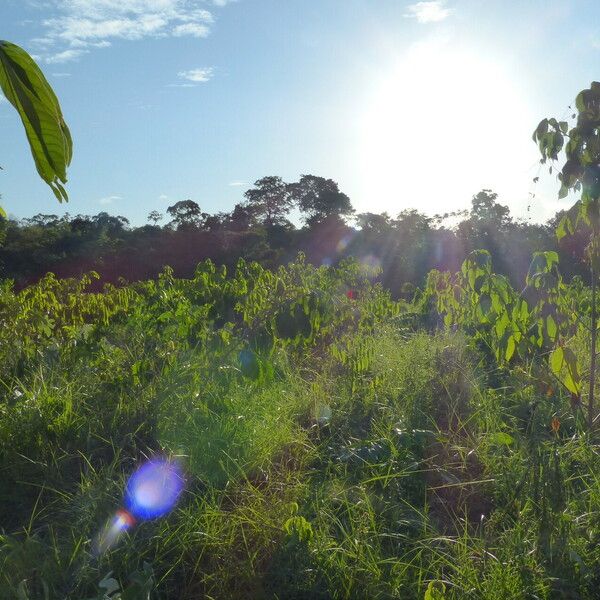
[540,130]
[565,227]
[299,527]
[485,304]
[556,361]
[563,192]
[501,324]
[510,348]
[26,88]
[500,439]
[436,590]
[580,101]
[3,213]
[563,363]
[109,584]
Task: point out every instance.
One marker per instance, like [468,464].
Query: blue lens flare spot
[153,490]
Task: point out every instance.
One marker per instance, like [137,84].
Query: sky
[406,105]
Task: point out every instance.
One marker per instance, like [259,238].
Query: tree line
[403,248]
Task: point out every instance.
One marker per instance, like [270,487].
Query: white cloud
[65,56]
[237,183]
[84,24]
[428,12]
[163,197]
[109,199]
[193,29]
[61,74]
[201,75]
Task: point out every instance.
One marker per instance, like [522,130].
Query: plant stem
[593,356]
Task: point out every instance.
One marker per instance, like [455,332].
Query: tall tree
[320,199]
[185,214]
[374,224]
[484,208]
[270,200]
[155,217]
[486,227]
[105,222]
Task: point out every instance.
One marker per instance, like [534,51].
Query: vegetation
[406,247]
[407,423]
[336,443]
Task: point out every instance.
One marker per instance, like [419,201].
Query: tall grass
[345,453]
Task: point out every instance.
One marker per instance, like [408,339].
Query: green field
[335,444]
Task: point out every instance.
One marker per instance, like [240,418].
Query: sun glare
[442,118]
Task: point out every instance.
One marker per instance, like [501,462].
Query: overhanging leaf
[26,88]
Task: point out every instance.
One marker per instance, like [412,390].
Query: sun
[445,123]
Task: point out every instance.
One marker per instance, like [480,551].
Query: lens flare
[344,243]
[153,490]
[120,523]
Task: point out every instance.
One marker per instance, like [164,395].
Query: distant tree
[374,223]
[440,220]
[319,199]
[41,220]
[270,200]
[484,208]
[412,223]
[241,218]
[487,220]
[185,214]
[81,224]
[155,217]
[106,222]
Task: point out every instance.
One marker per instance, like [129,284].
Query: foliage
[536,323]
[333,448]
[185,213]
[319,199]
[580,172]
[406,246]
[270,200]
[26,88]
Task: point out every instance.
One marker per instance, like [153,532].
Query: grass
[374,460]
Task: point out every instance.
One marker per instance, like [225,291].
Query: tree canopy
[319,199]
[185,213]
[270,201]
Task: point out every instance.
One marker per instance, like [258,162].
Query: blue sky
[406,105]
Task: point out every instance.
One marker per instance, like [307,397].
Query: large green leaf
[563,363]
[26,88]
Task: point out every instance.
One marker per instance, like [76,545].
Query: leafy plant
[26,88]
[580,172]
